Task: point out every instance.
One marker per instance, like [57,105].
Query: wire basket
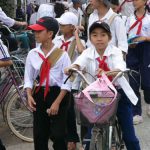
[18,69]
[97,102]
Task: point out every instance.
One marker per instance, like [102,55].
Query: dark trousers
[53,127]
[72,135]
[138,59]
[2,147]
[125,118]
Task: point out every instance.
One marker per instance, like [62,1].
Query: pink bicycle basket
[98,101]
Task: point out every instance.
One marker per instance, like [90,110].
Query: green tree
[8,7]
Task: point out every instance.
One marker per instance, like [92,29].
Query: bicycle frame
[5,90]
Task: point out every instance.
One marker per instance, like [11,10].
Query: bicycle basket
[18,69]
[97,102]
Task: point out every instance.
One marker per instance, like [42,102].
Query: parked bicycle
[13,101]
[97,104]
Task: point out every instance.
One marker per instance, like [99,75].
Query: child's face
[114,7]
[64,29]
[43,36]
[99,38]
[138,3]
[95,3]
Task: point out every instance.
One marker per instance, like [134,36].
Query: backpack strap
[71,50]
[54,56]
[111,19]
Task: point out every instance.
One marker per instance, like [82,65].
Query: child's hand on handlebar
[68,70]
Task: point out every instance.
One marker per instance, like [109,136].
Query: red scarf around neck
[44,74]
[103,65]
[65,44]
[139,20]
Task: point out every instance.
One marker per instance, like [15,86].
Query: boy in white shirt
[102,57]
[104,13]
[70,42]
[50,99]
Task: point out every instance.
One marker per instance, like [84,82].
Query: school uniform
[71,120]
[114,60]
[45,127]
[138,60]
[117,28]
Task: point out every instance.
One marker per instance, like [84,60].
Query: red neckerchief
[120,7]
[65,44]
[139,20]
[44,74]
[103,65]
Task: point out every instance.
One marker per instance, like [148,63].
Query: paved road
[13,143]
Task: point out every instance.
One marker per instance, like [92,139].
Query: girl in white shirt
[138,57]
[103,57]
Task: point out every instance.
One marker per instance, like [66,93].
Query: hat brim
[61,21]
[36,27]
[99,25]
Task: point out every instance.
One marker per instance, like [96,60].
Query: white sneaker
[148,110]
[137,119]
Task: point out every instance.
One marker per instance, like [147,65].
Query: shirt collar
[107,15]
[93,54]
[39,50]
[62,38]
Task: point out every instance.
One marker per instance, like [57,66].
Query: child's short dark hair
[101,25]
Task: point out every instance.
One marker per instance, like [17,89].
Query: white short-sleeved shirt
[5,19]
[87,60]
[145,31]
[117,27]
[57,76]
[127,9]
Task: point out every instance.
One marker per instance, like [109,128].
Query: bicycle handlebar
[119,74]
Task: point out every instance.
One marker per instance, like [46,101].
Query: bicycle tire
[117,139]
[19,118]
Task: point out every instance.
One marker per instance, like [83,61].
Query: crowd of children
[80,34]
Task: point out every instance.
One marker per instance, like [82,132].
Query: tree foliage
[8,7]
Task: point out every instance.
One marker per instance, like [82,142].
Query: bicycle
[107,135]
[14,102]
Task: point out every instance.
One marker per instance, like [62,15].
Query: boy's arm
[5,63]
[80,46]
[53,110]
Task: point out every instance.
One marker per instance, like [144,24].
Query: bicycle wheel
[19,118]
[117,139]
[100,138]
